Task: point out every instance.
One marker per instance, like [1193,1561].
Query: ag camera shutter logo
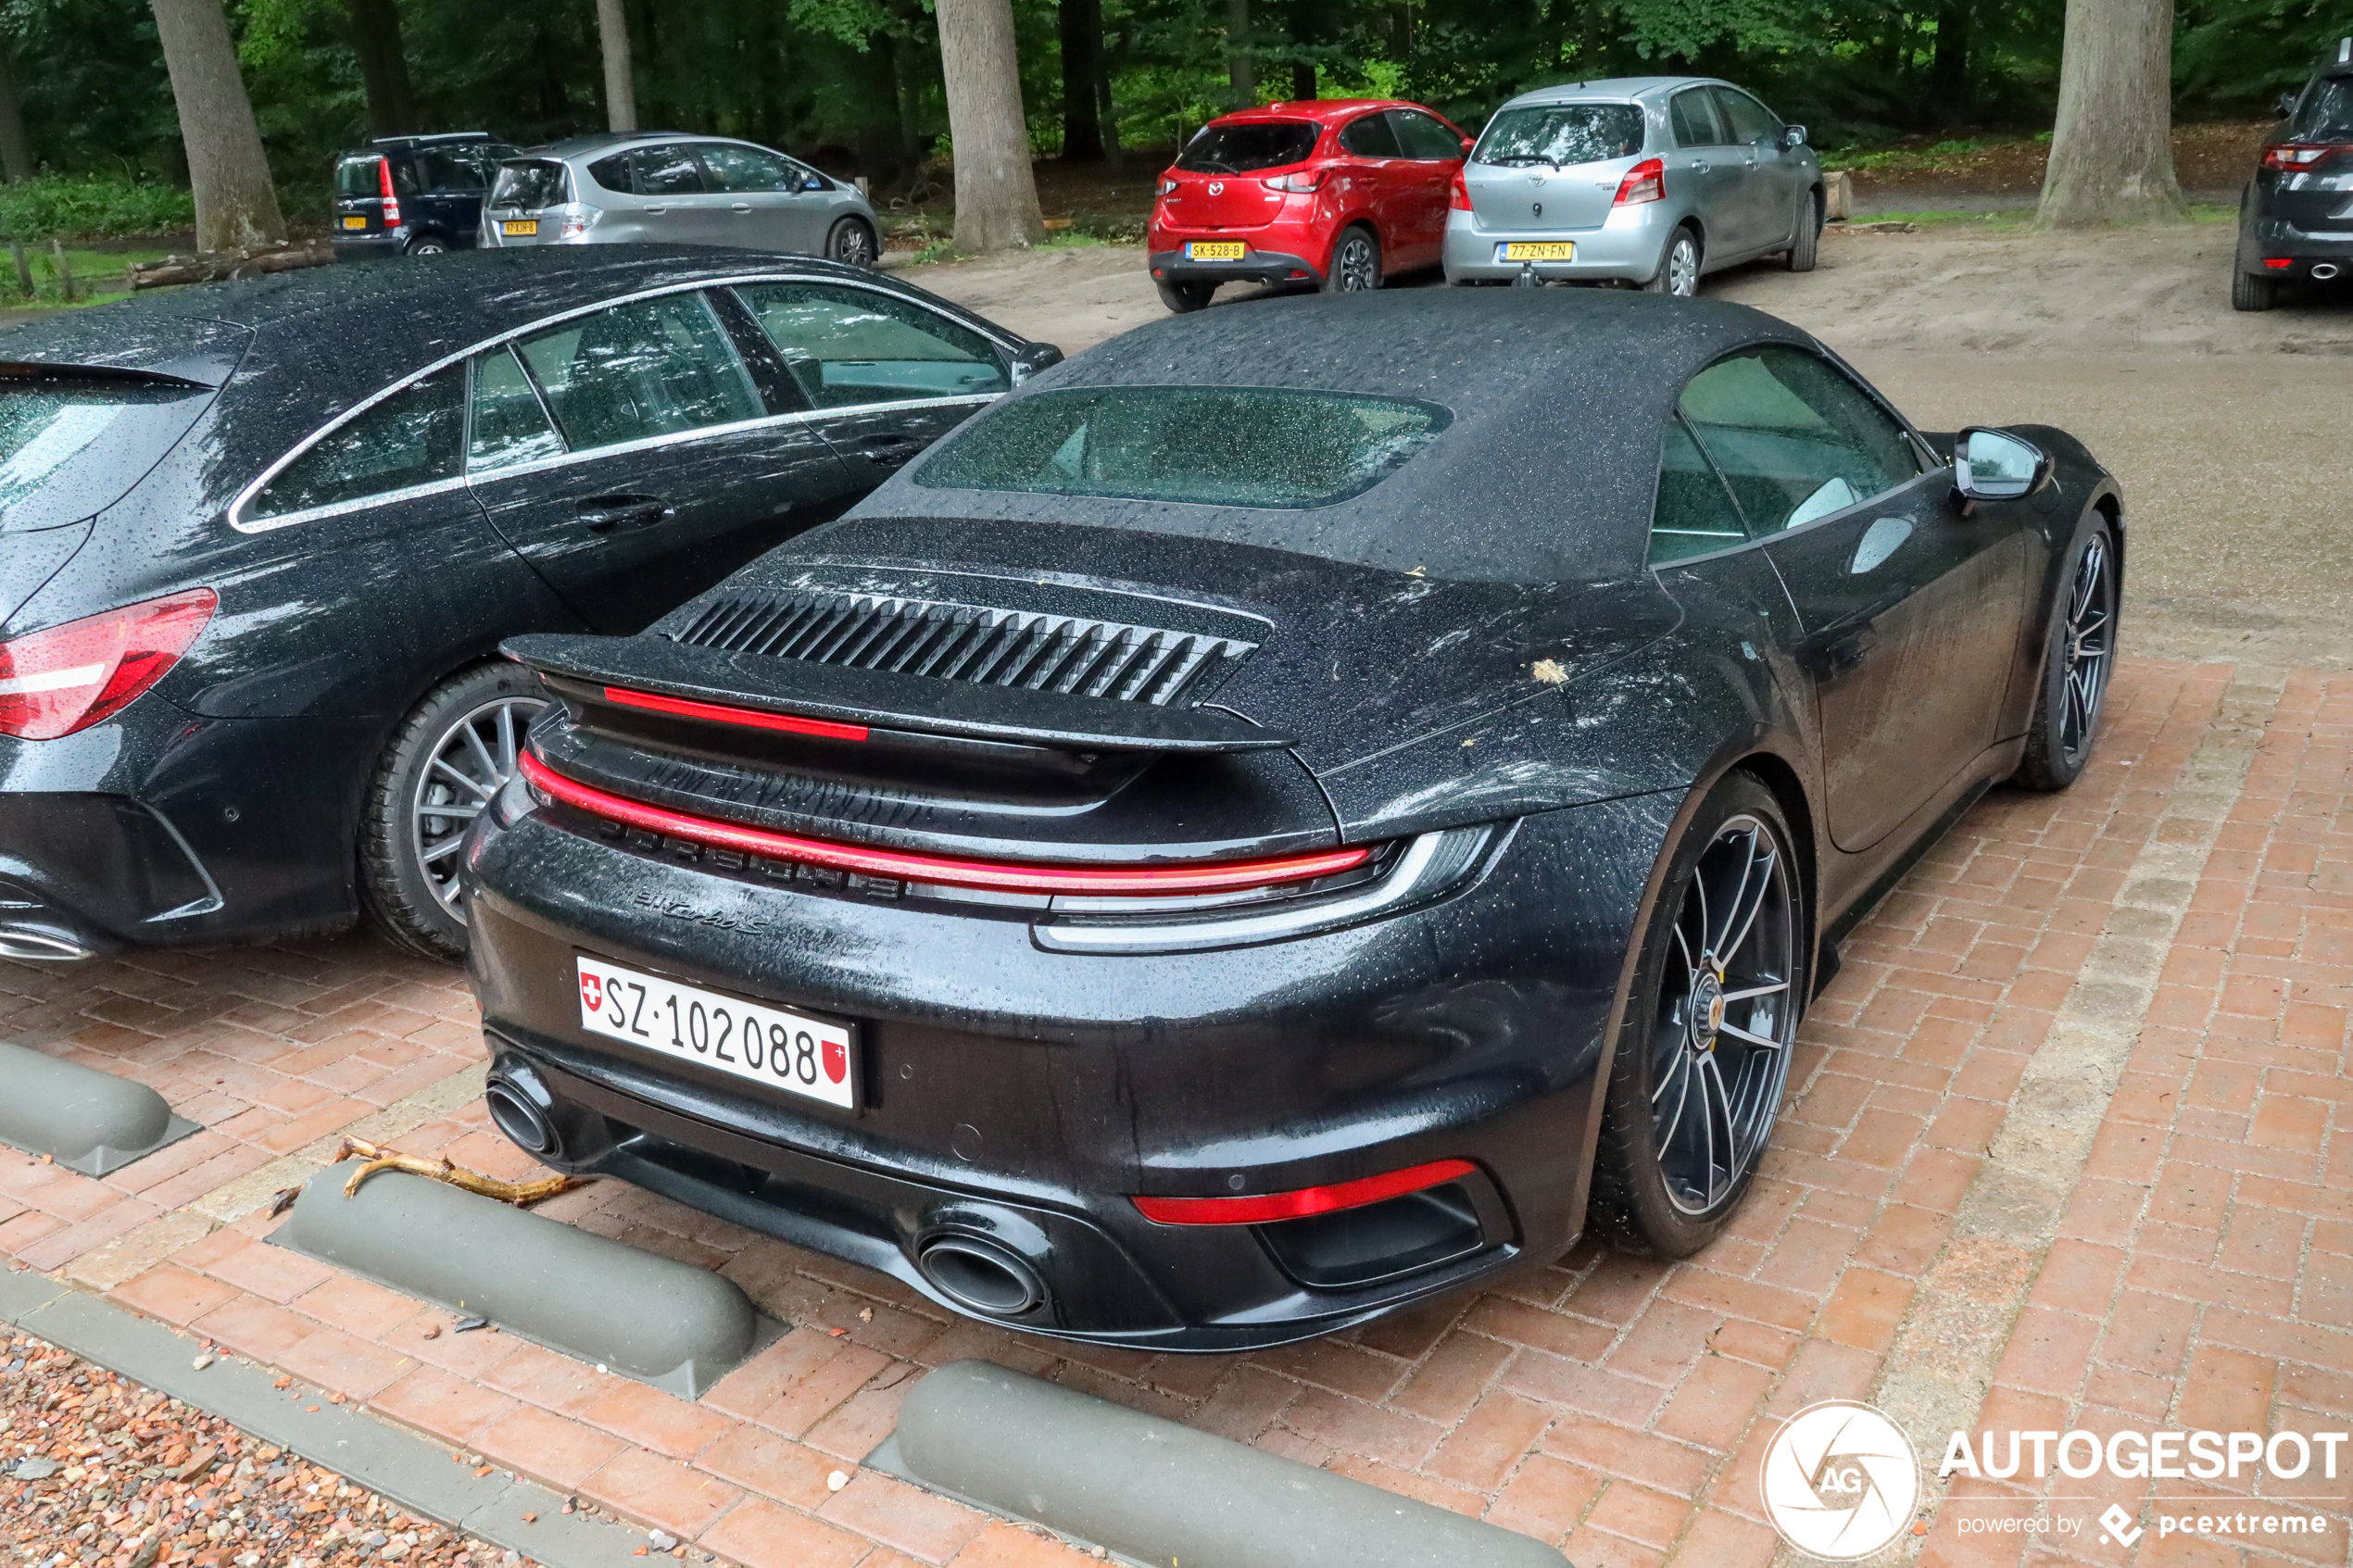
[1840,1481]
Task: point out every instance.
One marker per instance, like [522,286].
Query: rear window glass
[1215,446]
[2326,113]
[1239,149]
[530,184]
[357,177]
[69,450]
[1560,134]
[450,172]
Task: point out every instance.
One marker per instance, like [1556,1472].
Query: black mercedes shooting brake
[2295,216]
[259,541]
[1286,814]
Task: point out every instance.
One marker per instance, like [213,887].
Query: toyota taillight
[1457,193]
[1298,184]
[384,183]
[1646,181]
[2289,159]
[69,677]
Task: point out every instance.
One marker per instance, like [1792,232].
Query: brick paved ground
[1958,1217]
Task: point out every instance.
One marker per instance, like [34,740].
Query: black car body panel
[1473,652]
[406,195]
[2296,221]
[251,755]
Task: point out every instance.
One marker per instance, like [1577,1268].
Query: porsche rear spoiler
[743,689]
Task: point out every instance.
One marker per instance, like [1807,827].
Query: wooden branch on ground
[207,267]
[378,1158]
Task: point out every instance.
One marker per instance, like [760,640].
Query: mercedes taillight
[67,678]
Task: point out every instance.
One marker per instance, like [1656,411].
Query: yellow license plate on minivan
[1536,250]
[355,223]
[1215,250]
[525,226]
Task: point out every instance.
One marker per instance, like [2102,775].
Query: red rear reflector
[718,713]
[1457,193]
[70,677]
[2279,263]
[1223,876]
[1646,181]
[1305,1201]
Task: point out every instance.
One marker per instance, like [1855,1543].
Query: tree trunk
[383,69]
[1082,38]
[621,89]
[236,204]
[2112,148]
[1105,115]
[16,151]
[1241,70]
[1948,76]
[995,192]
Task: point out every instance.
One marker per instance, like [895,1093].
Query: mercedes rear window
[2326,113]
[1560,134]
[529,184]
[70,448]
[1239,149]
[1206,445]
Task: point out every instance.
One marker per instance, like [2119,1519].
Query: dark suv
[2295,220]
[414,195]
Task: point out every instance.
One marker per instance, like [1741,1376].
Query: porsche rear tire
[1702,1054]
[2076,666]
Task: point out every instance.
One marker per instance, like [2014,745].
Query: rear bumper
[1624,248]
[2276,239]
[365,246]
[1022,1096]
[1256,267]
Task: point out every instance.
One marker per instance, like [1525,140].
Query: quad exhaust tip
[85,1120]
[1154,1492]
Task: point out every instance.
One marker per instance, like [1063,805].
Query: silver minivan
[666,188]
[1653,180]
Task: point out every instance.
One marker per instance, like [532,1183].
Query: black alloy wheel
[1356,263]
[852,243]
[2083,652]
[1678,267]
[1704,1054]
[453,753]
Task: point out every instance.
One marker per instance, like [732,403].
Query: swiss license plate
[761,1045]
[524,226]
[354,222]
[1536,250]
[1215,250]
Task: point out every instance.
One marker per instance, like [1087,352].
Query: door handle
[603,514]
[1699,164]
[656,211]
[890,450]
[739,207]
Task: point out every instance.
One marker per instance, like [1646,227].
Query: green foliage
[91,207]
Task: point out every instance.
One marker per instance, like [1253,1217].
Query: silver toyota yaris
[1653,180]
[659,187]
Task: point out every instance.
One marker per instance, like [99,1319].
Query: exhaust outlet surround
[87,1121]
[981,1276]
[645,1316]
[2325,271]
[1155,1492]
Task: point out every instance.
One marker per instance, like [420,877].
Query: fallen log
[212,266]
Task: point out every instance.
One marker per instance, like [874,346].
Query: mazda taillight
[1167,187]
[2290,159]
[384,183]
[1457,194]
[70,677]
[1646,181]
[1298,184]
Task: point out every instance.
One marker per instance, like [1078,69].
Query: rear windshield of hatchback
[529,183]
[355,178]
[2326,113]
[70,448]
[1239,149]
[1206,445]
[1560,134]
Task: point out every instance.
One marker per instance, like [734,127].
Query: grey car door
[674,202]
[1707,165]
[762,192]
[1769,180]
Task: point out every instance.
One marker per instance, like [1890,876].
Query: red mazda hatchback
[1342,193]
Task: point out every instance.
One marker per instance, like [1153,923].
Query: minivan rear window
[2326,113]
[1208,445]
[355,178]
[70,448]
[529,184]
[1561,134]
[1239,149]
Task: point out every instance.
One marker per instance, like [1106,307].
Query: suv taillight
[69,677]
[2290,159]
[384,183]
[1646,181]
[1457,193]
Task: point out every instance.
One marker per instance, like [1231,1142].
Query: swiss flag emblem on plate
[592,992]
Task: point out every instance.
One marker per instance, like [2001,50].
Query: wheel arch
[1339,231]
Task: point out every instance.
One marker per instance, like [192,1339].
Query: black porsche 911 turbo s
[1286,814]
[258,543]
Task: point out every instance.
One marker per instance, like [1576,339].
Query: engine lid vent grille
[959,642]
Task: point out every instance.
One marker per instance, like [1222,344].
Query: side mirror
[1468,145]
[1994,465]
[1793,136]
[1031,358]
[2285,106]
